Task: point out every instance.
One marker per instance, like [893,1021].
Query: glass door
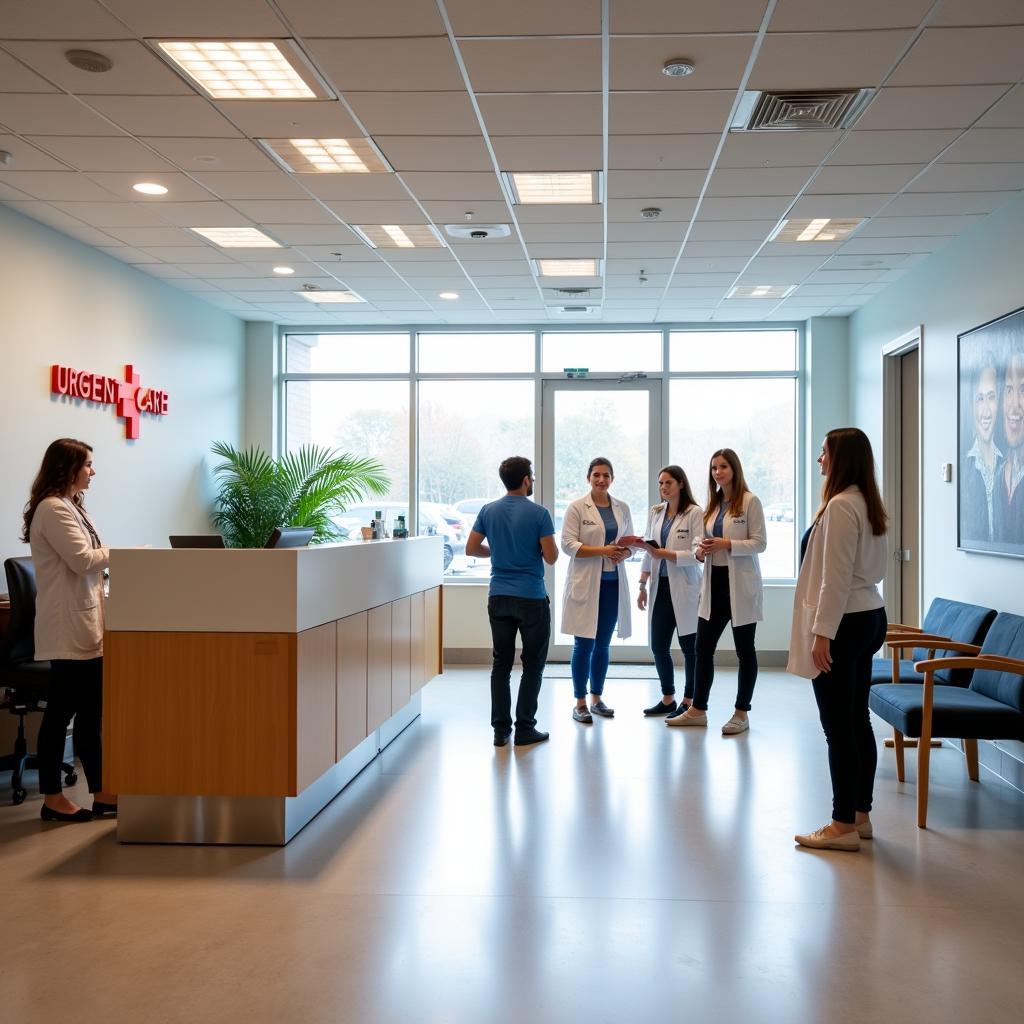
[583,420]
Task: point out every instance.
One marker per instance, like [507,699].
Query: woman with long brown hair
[731,591]
[69,560]
[838,624]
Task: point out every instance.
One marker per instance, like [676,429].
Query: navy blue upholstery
[964,623]
[992,707]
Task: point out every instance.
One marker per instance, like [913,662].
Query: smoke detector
[88,60]
[478,232]
[650,212]
[678,67]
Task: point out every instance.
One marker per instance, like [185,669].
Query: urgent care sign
[130,398]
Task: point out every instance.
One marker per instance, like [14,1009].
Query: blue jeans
[590,656]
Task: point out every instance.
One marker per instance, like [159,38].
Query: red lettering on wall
[131,399]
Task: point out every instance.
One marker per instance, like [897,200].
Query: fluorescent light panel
[328,156]
[554,187]
[262,69]
[399,236]
[237,238]
[761,291]
[568,268]
[818,229]
[318,296]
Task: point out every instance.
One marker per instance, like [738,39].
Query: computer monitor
[290,537]
[211,540]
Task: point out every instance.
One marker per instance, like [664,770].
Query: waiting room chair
[25,681]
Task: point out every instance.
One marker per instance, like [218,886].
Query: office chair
[24,680]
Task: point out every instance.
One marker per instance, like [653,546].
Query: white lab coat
[684,575]
[842,565]
[749,538]
[583,525]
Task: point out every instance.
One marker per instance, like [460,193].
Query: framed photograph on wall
[990,434]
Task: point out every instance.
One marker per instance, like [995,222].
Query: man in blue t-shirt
[518,537]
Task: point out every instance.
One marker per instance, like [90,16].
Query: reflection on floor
[622,872]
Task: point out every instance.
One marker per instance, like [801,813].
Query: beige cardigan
[69,581]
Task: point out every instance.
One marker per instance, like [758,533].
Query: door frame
[892,461]
[560,649]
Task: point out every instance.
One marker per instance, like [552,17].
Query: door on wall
[583,420]
[909,484]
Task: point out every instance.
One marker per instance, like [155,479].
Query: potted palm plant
[307,487]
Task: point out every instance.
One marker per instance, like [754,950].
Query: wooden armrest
[899,627]
[936,643]
[990,661]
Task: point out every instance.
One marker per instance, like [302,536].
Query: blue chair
[991,708]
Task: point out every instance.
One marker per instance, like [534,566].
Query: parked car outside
[779,513]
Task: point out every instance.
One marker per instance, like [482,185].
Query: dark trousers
[590,655]
[75,691]
[842,696]
[529,618]
[663,628]
[709,632]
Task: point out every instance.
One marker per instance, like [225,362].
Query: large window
[441,409]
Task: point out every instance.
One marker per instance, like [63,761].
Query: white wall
[975,279]
[64,302]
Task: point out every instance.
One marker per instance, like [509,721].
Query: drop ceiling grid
[642,25]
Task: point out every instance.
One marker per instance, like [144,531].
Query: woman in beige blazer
[838,624]
[69,561]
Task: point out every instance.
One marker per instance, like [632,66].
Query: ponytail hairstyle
[851,463]
[62,462]
[686,498]
[739,486]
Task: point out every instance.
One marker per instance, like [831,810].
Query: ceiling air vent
[822,110]
[571,293]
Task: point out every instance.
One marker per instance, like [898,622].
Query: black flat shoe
[49,814]
[660,708]
[525,737]
[100,808]
[501,737]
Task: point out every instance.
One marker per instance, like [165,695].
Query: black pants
[709,632]
[842,696]
[530,618]
[76,691]
[663,628]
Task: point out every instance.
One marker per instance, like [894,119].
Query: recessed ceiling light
[150,188]
[245,69]
[399,236]
[448,295]
[284,271]
[818,229]
[568,268]
[554,187]
[761,291]
[237,238]
[318,296]
[678,67]
[328,156]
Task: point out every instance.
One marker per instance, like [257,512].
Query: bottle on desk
[400,529]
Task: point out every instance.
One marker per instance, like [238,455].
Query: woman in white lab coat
[731,590]
[676,524]
[596,589]
[838,624]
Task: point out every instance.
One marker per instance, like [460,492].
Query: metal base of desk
[250,820]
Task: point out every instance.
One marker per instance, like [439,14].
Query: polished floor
[624,872]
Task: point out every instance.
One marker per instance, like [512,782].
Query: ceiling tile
[284,211]
[452,211]
[353,187]
[777,149]
[136,69]
[422,153]
[943,177]
[200,19]
[649,184]
[647,231]
[546,153]
[533,65]
[213,154]
[895,244]
[929,107]
[93,154]
[8,192]
[811,60]
[729,248]
[858,261]
[525,18]
[65,223]
[362,20]
[563,233]
[144,237]
[653,16]
[542,113]
[646,252]
[291,119]
[962,56]
[627,211]
[1008,112]
[907,147]
[126,254]
[179,187]
[60,19]
[186,116]
[636,63]
[880,178]
[65,185]
[51,115]
[402,65]
[25,157]
[797,15]
[970,12]
[640,152]
[723,230]
[423,113]
[758,181]
[737,208]
[666,113]
[370,212]
[916,204]
[113,215]
[909,227]
[469,185]
[251,184]
[313,234]
[194,254]
[838,206]
[201,215]
[988,145]
[15,77]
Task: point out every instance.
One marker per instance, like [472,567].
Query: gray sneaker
[582,715]
[598,707]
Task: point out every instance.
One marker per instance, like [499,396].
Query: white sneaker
[692,717]
[820,840]
[865,831]
[735,725]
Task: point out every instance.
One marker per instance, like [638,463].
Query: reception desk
[244,689]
